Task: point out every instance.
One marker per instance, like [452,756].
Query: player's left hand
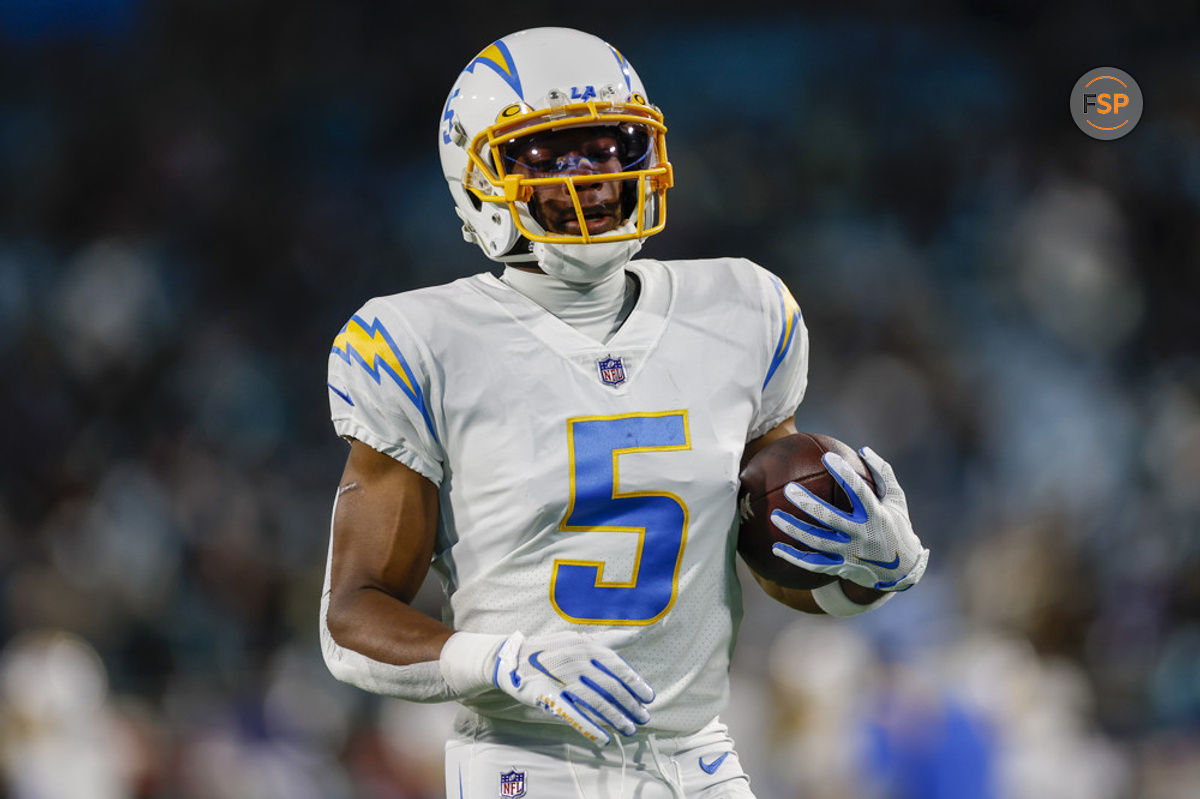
[873,545]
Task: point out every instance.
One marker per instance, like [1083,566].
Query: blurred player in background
[563,443]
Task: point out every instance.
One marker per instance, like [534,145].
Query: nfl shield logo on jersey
[512,784]
[612,371]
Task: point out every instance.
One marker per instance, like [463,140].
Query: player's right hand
[572,677]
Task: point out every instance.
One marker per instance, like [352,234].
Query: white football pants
[699,766]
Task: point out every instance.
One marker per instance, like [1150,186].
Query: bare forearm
[383,628]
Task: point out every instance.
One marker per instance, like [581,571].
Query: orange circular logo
[1106,103]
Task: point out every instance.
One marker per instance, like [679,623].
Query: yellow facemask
[490,182]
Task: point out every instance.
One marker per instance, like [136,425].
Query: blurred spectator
[61,737]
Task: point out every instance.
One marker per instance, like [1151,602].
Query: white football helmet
[537,82]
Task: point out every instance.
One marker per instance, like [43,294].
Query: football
[792,459]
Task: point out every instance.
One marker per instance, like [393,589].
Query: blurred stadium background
[194,196]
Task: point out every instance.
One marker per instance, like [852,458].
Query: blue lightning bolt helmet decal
[624,66]
[789,309]
[497,57]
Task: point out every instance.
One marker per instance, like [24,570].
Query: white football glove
[873,545]
[568,675]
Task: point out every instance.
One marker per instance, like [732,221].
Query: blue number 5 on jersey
[598,504]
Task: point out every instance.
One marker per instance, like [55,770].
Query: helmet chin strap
[587,264]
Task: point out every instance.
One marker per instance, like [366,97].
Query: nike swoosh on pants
[711,768]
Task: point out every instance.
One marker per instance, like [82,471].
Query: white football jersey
[584,486]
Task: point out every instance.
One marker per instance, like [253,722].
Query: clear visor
[598,148]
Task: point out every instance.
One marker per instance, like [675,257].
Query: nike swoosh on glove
[576,679]
[873,545]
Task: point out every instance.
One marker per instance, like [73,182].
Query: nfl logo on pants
[512,784]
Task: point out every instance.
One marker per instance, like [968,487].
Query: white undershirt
[597,310]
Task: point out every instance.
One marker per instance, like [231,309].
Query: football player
[562,442]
